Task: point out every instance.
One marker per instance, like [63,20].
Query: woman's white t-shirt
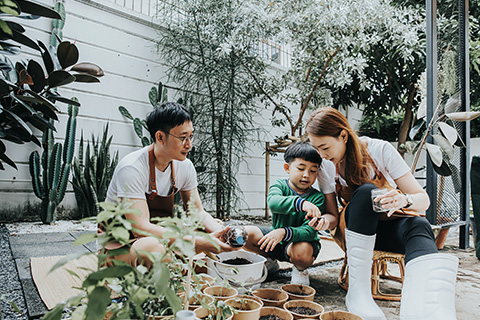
[386,158]
[131,177]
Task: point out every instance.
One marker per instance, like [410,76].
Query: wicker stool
[379,270]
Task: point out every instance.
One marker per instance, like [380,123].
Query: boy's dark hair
[302,150]
[166,116]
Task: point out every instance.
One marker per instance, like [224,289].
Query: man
[151,176]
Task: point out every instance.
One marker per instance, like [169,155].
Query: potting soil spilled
[303,310]
[237,261]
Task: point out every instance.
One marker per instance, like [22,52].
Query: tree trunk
[405,126]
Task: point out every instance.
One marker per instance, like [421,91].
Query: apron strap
[152,178]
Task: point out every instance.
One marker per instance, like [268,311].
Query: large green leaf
[463,116]
[56,97]
[153,96]
[443,170]
[449,132]
[35,70]
[416,127]
[137,126]
[22,39]
[67,54]
[42,100]
[435,153]
[59,78]
[445,145]
[85,77]
[46,57]
[98,301]
[37,9]
[4,88]
[90,68]
[124,112]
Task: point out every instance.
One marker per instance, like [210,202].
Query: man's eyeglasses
[183,139]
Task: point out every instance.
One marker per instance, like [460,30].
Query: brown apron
[159,206]
[344,193]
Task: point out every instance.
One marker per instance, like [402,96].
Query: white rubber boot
[429,288]
[359,298]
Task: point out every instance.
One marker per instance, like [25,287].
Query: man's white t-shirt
[131,177]
[386,158]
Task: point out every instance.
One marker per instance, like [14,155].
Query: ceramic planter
[202,313]
[271,297]
[221,293]
[295,306]
[299,292]
[246,309]
[281,313]
[339,315]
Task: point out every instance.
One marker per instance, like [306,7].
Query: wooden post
[267,176]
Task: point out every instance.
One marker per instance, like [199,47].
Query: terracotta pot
[221,293]
[281,313]
[305,304]
[339,315]
[202,313]
[271,297]
[246,309]
[245,296]
[299,292]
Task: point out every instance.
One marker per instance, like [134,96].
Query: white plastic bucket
[238,275]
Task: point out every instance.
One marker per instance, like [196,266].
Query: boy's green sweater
[283,201]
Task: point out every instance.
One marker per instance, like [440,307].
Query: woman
[356,166]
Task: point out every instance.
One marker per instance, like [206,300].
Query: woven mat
[59,285]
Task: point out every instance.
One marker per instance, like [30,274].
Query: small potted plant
[218,311]
[245,309]
[299,292]
[271,297]
[274,313]
[303,309]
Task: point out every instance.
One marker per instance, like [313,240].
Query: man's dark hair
[302,150]
[167,116]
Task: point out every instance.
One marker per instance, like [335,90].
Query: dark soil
[237,261]
[303,310]
[298,293]
[270,317]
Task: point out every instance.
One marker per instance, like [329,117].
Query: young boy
[292,237]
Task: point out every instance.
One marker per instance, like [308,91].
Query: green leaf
[85,238]
[59,78]
[67,258]
[35,70]
[463,116]
[115,271]
[124,112]
[449,132]
[121,234]
[55,313]
[445,145]
[453,103]
[37,9]
[137,126]
[67,54]
[443,170]
[85,78]
[5,28]
[153,96]
[98,301]
[435,153]
[89,68]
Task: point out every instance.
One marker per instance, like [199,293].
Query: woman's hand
[271,239]
[392,201]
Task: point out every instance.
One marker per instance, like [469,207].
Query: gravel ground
[10,287]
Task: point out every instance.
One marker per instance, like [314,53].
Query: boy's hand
[319,224]
[271,239]
[312,210]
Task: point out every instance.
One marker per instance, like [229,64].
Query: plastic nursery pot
[339,315]
[196,301]
[271,297]
[203,313]
[280,313]
[303,309]
[246,296]
[245,309]
[299,292]
[221,293]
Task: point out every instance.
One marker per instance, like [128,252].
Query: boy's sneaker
[272,265]
[300,277]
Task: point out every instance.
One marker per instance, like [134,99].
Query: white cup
[377,206]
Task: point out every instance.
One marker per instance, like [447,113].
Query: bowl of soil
[303,309]
[238,266]
[274,313]
[245,309]
[220,292]
[271,297]
[339,315]
[299,292]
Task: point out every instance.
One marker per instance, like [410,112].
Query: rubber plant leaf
[35,70]
[43,100]
[67,54]
[445,145]
[463,116]
[59,78]
[22,39]
[90,68]
[55,97]
[449,132]
[85,77]
[453,103]
[4,157]
[46,57]
[443,170]
[416,127]
[435,153]
[4,88]
[37,9]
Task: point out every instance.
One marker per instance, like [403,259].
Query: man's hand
[312,210]
[319,224]
[271,239]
